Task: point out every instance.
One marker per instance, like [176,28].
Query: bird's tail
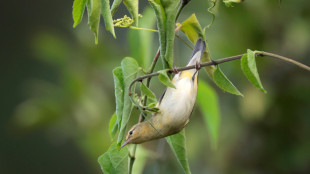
[197,52]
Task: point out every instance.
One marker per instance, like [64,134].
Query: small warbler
[175,105]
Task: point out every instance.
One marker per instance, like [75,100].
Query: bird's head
[134,135]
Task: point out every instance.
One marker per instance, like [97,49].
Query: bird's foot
[175,70]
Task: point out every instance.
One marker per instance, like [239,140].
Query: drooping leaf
[94,18]
[221,80]
[78,10]
[133,8]
[145,90]
[177,143]
[193,31]
[208,103]
[165,11]
[248,65]
[115,5]
[140,42]
[130,69]
[113,126]
[106,14]
[119,93]
[164,78]
[114,161]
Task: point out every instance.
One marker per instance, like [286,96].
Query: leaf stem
[145,29]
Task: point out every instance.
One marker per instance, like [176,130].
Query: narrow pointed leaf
[115,5]
[133,8]
[177,143]
[249,68]
[208,103]
[106,14]
[94,18]
[114,161]
[113,126]
[164,78]
[165,11]
[130,69]
[193,31]
[78,10]
[145,90]
[119,93]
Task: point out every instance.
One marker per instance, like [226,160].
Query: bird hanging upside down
[175,105]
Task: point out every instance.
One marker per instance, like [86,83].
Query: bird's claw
[175,70]
[197,66]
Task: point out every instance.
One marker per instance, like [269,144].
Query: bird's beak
[126,142]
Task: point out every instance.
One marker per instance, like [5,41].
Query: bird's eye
[130,133]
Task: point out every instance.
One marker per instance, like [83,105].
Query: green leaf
[166,11]
[229,3]
[113,126]
[249,68]
[142,155]
[133,7]
[114,161]
[164,78]
[130,69]
[208,103]
[193,31]
[145,90]
[140,41]
[115,5]
[106,14]
[221,80]
[119,93]
[94,18]
[78,10]
[177,143]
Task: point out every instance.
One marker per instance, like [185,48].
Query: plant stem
[145,29]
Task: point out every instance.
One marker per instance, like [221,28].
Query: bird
[175,105]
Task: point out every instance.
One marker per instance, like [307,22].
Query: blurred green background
[57,93]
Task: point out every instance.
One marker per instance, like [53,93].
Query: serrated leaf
[106,14]
[165,11]
[113,126]
[133,8]
[114,161]
[164,78]
[221,80]
[208,103]
[193,31]
[130,69]
[249,68]
[177,143]
[94,18]
[77,11]
[115,5]
[119,93]
[143,39]
[145,90]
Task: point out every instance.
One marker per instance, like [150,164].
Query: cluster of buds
[229,3]
[124,22]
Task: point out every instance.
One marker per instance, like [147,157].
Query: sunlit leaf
[177,143]
[164,78]
[193,31]
[145,90]
[114,161]
[130,69]
[208,103]
[229,3]
[115,5]
[113,126]
[78,10]
[94,16]
[165,11]
[108,21]
[248,65]
[141,42]
[133,8]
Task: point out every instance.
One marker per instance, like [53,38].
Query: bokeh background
[57,93]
